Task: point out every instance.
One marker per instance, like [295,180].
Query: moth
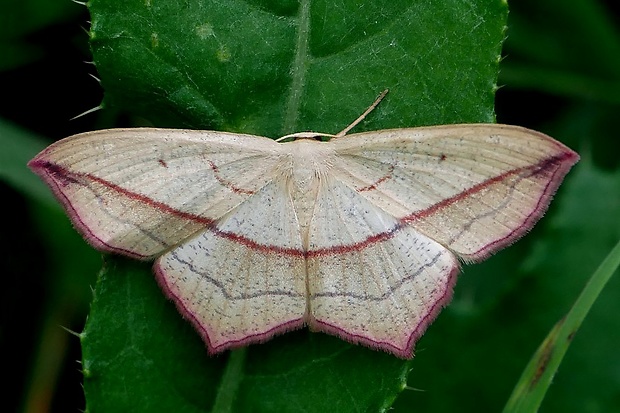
[359,236]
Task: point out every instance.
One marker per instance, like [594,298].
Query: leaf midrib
[298,70]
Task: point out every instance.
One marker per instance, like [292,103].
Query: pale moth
[359,236]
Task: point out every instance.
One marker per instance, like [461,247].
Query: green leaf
[269,69]
[262,69]
[18,147]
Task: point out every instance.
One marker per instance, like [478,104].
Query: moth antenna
[363,115]
[304,135]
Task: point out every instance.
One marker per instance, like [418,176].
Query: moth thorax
[310,161]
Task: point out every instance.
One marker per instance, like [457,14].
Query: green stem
[537,376]
[231,379]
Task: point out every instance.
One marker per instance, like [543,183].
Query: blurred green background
[560,75]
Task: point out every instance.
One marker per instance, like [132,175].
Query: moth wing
[473,188]
[372,280]
[242,280]
[139,192]
[399,206]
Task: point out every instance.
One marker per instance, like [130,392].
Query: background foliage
[561,75]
